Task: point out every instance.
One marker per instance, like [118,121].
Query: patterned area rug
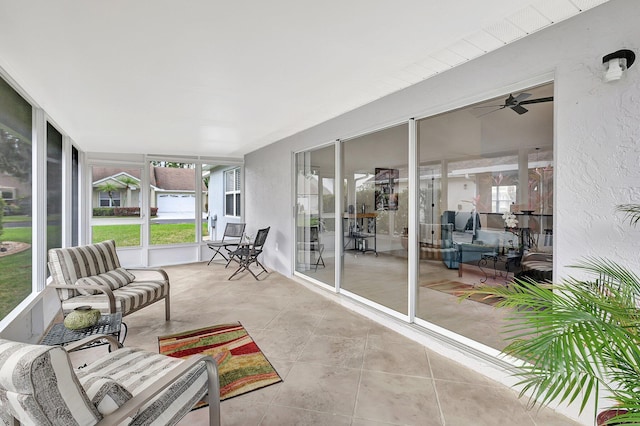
[242,367]
[457,289]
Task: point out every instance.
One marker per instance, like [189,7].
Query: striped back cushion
[38,386]
[115,279]
[68,265]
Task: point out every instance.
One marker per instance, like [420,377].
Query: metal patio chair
[232,236]
[247,254]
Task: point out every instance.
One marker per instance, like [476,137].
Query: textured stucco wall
[596,133]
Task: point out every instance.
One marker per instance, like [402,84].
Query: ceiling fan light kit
[617,63]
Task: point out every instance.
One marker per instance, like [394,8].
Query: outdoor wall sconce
[617,63]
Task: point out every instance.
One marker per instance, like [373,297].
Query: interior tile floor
[383,280]
[338,367]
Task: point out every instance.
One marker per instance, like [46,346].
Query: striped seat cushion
[135,370]
[128,298]
[68,265]
[115,279]
[38,387]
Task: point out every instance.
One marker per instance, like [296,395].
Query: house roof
[163,178]
[174,179]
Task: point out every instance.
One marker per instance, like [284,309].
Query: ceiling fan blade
[521,97]
[520,110]
[535,101]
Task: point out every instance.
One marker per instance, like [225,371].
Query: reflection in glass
[54,187]
[16,175]
[375,217]
[315,214]
[75,197]
[476,167]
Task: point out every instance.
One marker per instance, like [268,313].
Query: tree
[577,336]
[109,188]
[172,164]
[15,157]
[130,183]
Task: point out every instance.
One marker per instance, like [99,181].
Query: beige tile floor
[338,367]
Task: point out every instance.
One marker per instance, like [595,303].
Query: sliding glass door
[484,202]
[315,214]
[478,165]
[375,226]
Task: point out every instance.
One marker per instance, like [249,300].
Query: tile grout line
[435,389]
[355,402]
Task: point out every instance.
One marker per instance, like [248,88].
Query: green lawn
[161,233]
[22,218]
[15,269]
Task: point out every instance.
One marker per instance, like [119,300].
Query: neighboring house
[13,190]
[172,189]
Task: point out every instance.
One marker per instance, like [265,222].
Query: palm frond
[631,212]
[576,335]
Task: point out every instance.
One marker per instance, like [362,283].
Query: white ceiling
[223,78]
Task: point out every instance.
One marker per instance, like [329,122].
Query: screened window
[232,192]
[16,174]
[114,186]
[54,187]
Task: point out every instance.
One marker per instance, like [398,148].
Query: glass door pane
[315,214]
[375,217]
[477,164]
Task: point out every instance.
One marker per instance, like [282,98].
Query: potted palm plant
[578,336]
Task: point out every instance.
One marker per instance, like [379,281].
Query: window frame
[235,193]
[495,197]
[111,202]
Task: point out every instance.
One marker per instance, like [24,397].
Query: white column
[414,219]
[339,208]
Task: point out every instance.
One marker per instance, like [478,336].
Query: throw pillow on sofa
[115,279]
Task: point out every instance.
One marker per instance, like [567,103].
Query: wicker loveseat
[92,275]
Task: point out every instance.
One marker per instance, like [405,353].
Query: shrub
[126,211]
[121,211]
[13,210]
[103,211]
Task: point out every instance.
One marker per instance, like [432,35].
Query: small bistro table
[509,259]
[109,324]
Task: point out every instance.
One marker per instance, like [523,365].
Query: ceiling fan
[515,103]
